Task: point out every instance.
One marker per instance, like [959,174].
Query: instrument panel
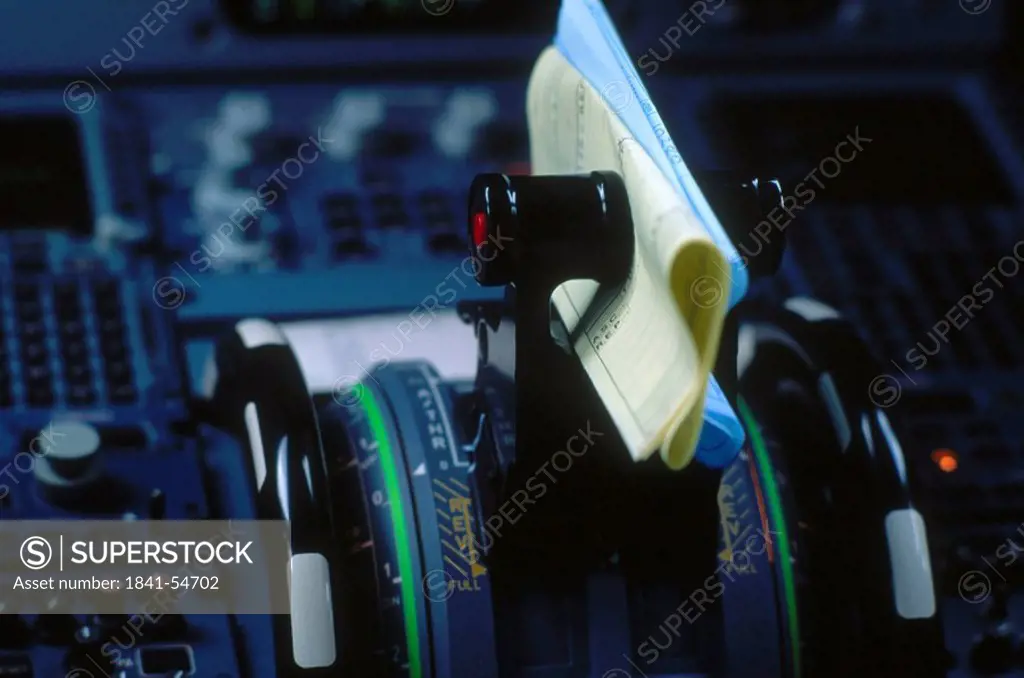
[169,169]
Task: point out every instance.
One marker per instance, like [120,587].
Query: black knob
[994,652]
[14,632]
[553,227]
[57,629]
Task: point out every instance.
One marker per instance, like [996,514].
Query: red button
[479,229]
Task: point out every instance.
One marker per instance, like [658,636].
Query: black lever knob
[550,228]
[263,399]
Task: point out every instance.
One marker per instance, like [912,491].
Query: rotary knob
[71,465]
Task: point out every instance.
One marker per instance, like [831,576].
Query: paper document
[587,38]
[649,350]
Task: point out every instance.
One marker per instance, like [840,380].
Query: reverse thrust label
[160,567]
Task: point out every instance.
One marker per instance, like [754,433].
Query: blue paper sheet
[588,40]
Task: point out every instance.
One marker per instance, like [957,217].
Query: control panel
[300,201]
[170,169]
